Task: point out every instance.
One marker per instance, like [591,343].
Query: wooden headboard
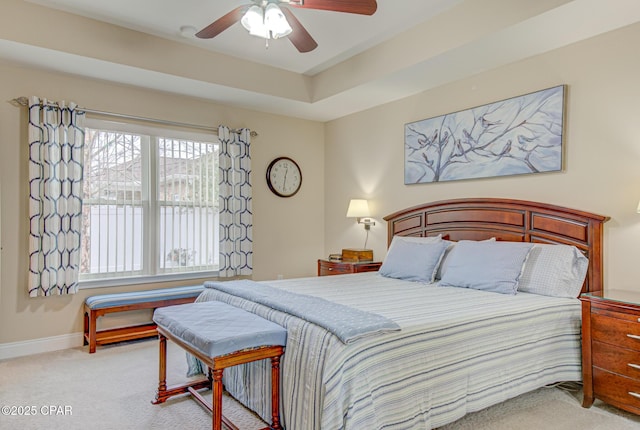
[510,220]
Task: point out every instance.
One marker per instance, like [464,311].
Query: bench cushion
[216,328]
[133,297]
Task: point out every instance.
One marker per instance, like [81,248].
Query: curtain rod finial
[20,101]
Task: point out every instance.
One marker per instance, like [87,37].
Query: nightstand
[330,267]
[611,348]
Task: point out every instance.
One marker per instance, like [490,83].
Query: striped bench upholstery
[221,336]
[99,305]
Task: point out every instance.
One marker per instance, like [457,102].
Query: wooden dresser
[329,267]
[611,348]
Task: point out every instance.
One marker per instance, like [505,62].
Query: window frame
[152,234]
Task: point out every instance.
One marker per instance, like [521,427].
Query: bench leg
[86,328]
[275,393]
[164,392]
[161,395]
[90,323]
[217,400]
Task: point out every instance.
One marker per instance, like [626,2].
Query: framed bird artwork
[520,135]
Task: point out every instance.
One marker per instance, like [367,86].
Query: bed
[453,350]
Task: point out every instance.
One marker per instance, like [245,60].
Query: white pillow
[487,266]
[554,270]
[413,260]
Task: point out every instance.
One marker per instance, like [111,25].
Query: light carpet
[113,389]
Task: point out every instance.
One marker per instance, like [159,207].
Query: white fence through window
[183,246]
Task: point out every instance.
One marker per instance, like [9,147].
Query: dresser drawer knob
[636,395]
[635,366]
[634,336]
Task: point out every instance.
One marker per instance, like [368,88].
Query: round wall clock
[284,177]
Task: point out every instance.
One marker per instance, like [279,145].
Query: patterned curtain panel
[56,144]
[236,216]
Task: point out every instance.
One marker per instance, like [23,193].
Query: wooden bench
[97,306]
[221,336]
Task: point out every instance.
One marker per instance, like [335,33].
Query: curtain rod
[24,101]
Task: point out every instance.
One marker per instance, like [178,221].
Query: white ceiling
[339,35]
[361,61]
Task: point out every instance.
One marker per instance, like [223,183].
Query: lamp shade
[358,208]
[638,209]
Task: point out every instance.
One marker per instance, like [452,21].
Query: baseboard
[37,346]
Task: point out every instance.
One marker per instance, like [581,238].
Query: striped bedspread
[458,351]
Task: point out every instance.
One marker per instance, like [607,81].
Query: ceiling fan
[266,19]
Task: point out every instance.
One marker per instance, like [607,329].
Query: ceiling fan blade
[362,7]
[222,23]
[300,37]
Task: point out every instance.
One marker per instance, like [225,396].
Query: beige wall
[279,224]
[364,151]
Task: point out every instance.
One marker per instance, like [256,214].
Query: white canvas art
[516,136]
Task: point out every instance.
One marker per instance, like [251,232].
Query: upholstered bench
[97,306]
[221,336]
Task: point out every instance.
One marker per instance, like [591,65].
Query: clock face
[284,177]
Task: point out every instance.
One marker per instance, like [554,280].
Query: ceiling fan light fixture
[266,22]
[276,22]
[254,22]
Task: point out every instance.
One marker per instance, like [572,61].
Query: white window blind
[150,206]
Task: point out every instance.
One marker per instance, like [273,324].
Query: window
[150,205]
